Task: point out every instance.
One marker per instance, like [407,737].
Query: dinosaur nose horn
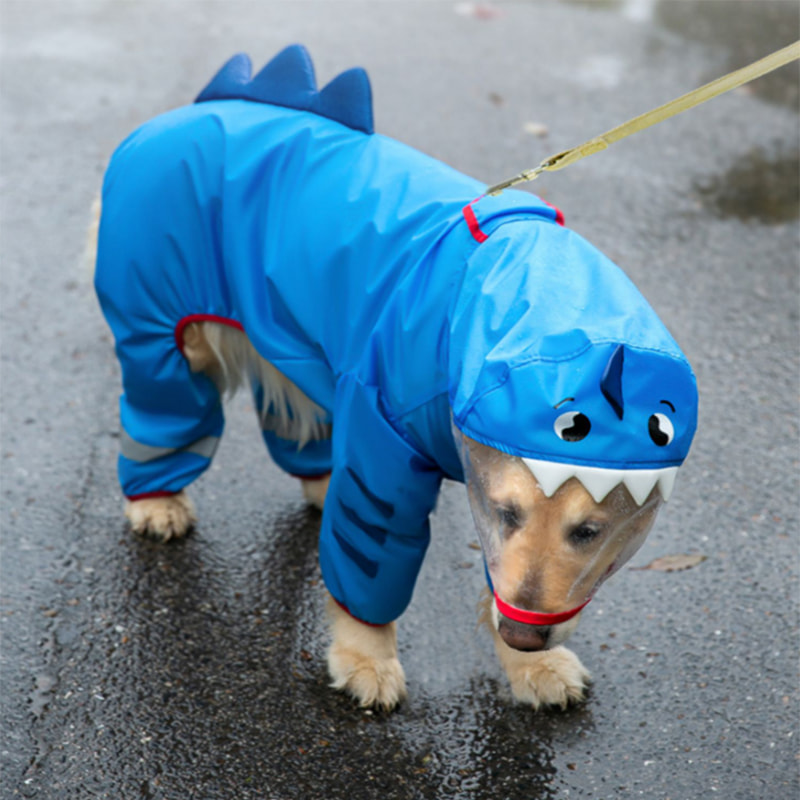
[611,382]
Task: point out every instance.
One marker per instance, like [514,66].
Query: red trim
[472,224]
[533,617]
[181,326]
[350,614]
[559,212]
[311,477]
[147,495]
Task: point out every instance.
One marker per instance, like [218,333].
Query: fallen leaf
[674,563]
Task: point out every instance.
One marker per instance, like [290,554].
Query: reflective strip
[136,451]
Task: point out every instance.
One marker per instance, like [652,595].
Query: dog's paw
[314,490]
[547,678]
[374,682]
[163,518]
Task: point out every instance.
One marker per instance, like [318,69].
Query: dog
[397,327]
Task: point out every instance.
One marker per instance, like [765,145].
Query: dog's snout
[521,636]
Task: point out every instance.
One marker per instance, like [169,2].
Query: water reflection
[761,185]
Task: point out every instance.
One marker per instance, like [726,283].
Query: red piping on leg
[147,495]
[350,614]
[319,477]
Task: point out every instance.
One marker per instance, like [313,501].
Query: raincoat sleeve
[171,422]
[375,528]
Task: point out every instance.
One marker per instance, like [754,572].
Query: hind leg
[173,516]
[163,518]
[315,490]
[171,426]
[308,460]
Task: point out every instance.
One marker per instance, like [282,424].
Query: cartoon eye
[660,429]
[572,426]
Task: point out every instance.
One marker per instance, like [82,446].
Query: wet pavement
[195,670]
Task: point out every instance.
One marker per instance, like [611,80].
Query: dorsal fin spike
[348,99]
[235,73]
[611,382]
[287,80]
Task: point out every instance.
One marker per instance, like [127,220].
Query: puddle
[761,186]
[750,30]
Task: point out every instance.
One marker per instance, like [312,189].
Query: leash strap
[694,98]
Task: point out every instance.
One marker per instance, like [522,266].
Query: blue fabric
[347,259]
[551,315]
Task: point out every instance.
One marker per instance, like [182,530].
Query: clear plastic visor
[548,552]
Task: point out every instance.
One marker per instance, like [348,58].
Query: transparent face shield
[547,551]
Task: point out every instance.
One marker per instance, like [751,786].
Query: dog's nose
[521,636]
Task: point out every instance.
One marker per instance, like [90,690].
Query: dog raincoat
[363,270]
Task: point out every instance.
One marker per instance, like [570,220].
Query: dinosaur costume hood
[559,360]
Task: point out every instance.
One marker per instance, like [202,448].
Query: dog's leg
[362,660]
[553,677]
[163,518]
[172,517]
[314,490]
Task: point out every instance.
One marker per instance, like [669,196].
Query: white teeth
[598,481]
[640,483]
[666,481]
[551,476]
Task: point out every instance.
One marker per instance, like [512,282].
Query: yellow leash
[682,103]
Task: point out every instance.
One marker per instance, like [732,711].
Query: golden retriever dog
[395,331]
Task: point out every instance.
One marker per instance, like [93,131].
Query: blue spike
[288,80]
[611,382]
[348,99]
[234,75]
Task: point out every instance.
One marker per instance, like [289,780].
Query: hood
[555,357]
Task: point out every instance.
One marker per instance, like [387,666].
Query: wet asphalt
[132,670]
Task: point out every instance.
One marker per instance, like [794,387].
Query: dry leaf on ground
[674,563]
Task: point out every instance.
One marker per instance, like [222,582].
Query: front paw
[547,678]
[362,660]
[374,682]
[163,518]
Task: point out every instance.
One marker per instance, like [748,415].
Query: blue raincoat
[364,272]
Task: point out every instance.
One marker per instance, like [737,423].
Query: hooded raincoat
[363,270]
